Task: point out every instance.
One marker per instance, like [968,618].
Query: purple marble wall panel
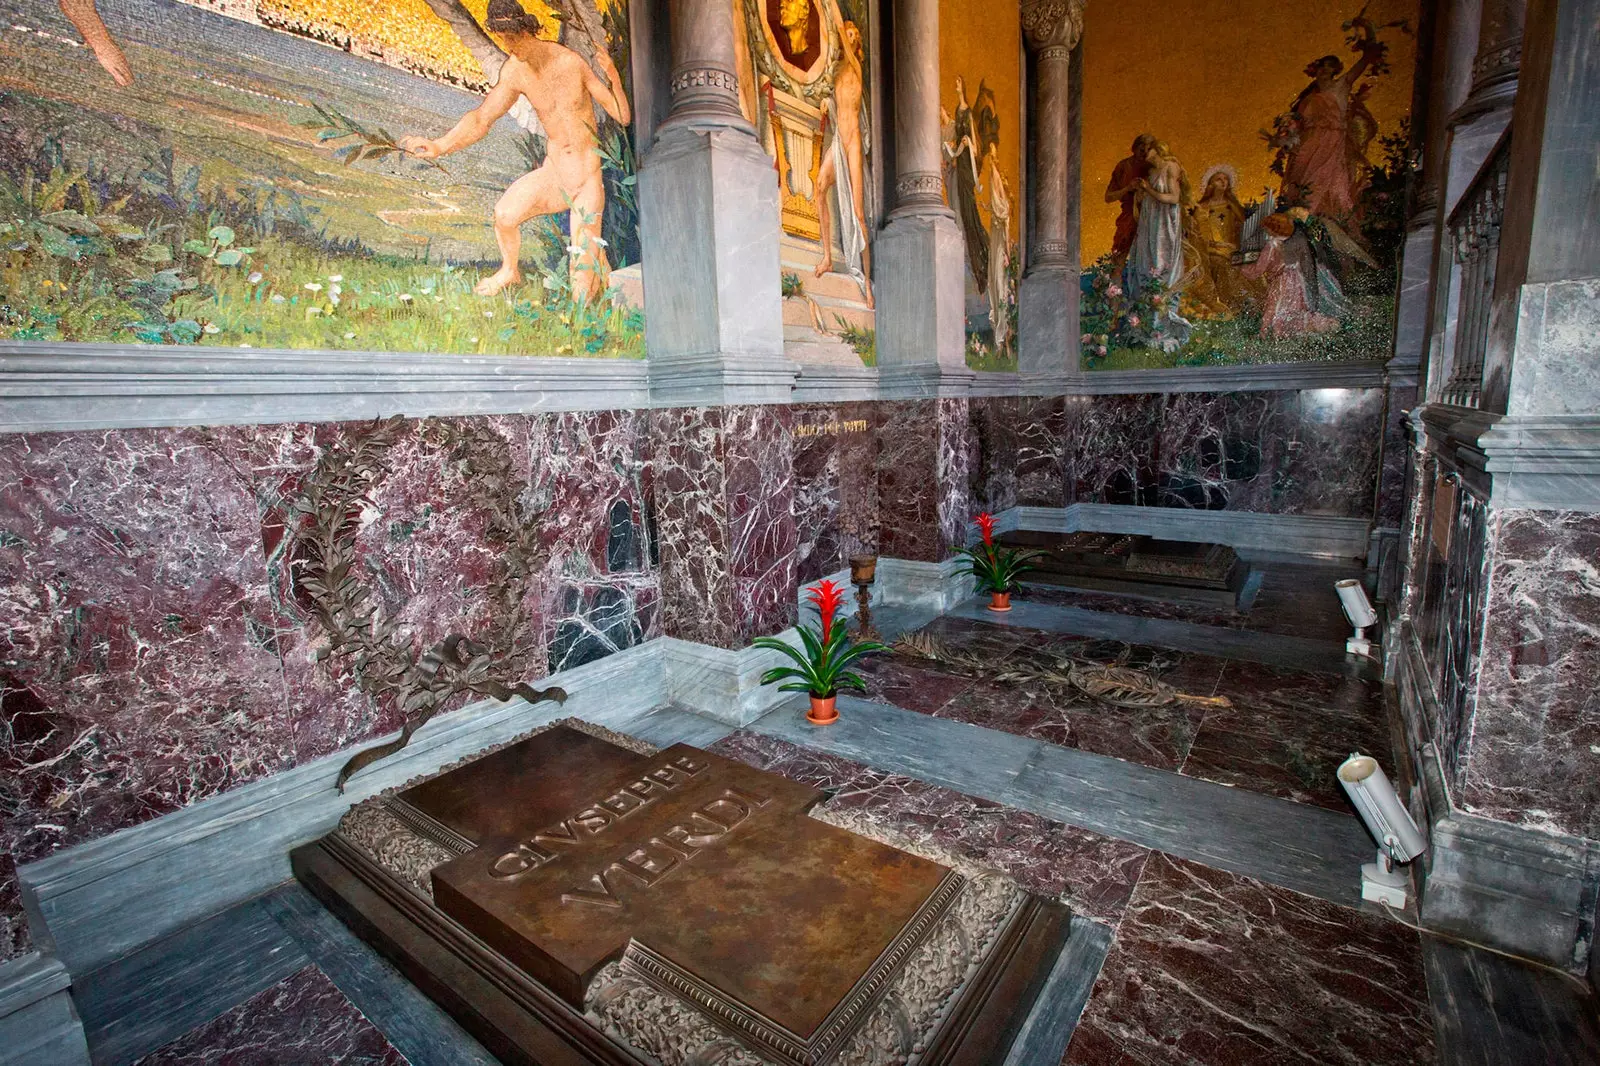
[1455,651]
[599,592]
[953,475]
[762,538]
[155,649]
[1535,744]
[1313,452]
[835,487]
[423,549]
[1041,451]
[859,513]
[1110,448]
[302,1019]
[724,505]
[137,660]
[993,442]
[689,474]
[1396,453]
[908,487]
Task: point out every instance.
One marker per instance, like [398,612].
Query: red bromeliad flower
[986,525]
[827,597]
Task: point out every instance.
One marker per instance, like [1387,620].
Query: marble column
[1047,312]
[708,208]
[919,254]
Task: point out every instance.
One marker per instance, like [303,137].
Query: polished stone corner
[39,1025]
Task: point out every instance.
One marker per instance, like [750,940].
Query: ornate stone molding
[1052,253]
[919,186]
[704,78]
[1052,27]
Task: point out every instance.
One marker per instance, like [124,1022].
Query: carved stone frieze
[1049,25]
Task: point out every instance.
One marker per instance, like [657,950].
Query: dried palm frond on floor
[1120,685]
[921,645]
[1125,687]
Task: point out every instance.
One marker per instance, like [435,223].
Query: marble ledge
[1549,462]
[68,386]
[60,386]
[1281,377]
[39,1023]
[1344,538]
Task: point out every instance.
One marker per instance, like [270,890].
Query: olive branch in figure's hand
[334,125]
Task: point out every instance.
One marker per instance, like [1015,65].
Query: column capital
[1052,27]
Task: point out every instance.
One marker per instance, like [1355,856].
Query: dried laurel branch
[328,571]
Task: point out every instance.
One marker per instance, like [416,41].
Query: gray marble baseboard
[1341,538]
[39,1024]
[1048,1029]
[932,586]
[1521,890]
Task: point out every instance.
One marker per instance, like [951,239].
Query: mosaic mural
[421,175]
[1243,183]
[805,82]
[981,119]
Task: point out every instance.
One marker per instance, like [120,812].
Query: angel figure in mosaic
[844,168]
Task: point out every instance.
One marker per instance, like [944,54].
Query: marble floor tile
[141,1001]
[1153,736]
[1213,969]
[1288,731]
[1094,873]
[908,683]
[304,1019]
[982,636]
[1293,845]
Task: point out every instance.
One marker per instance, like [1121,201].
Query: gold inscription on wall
[831,429]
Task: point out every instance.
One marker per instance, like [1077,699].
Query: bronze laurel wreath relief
[357,626]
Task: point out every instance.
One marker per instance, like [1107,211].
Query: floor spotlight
[1358,609]
[1399,840]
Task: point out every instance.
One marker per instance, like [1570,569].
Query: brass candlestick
[862,570]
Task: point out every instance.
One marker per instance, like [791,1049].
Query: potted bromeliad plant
[997,568]
[820,669]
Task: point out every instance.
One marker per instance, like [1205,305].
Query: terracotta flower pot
[824,709]
[999,601]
